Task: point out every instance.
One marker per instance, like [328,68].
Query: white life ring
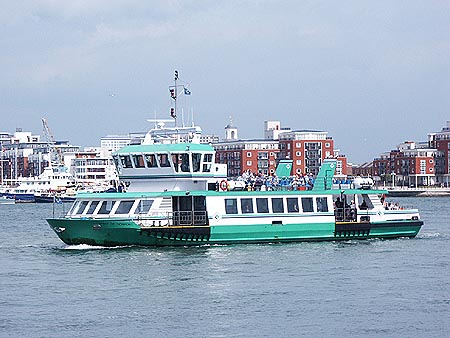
[223,185]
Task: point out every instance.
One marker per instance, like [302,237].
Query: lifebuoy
[223,185]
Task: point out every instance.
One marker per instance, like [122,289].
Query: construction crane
[51,142]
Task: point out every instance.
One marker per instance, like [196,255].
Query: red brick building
[260,156]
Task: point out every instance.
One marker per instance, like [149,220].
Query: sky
[373,74]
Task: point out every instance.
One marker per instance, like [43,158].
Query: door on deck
[189,210]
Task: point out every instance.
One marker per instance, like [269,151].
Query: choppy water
[376,288]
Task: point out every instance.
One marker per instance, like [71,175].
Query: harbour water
[375,288]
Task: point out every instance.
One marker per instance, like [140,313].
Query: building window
[249,154]
[298,162]
[298,153]
[298,145]
[249,163]
[327,145]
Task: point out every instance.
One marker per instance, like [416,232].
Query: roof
[176,147]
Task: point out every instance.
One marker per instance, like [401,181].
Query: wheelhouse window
[144,206]
[277,205]
[185,162]
[126,161]
[322,204]
[196,159]
[207,162]
[176,160]
[307,204]
[106,207]
[116,161]
[124,207]
[92,207]
[262,205]
[231,206]
[138,161]
[292,204]
[246,205]
[163,160]
[150,160]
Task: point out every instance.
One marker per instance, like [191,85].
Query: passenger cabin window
[262,205]
[246,205]
[150,160]
[292,204]
[231,206]
[126,161]
[106,207]
[163,160]
[307,204]
[144,206]
[138,161]
[277,205]
[92,207]
[196,159]
[322,204]
[82,205]
[124,207]
[207,162]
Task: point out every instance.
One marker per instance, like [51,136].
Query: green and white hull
[175,218]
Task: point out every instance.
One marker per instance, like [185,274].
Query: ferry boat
[178,196]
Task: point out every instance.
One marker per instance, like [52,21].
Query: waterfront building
[411,164]
[307,149]
[258,156]
[441,142]
[209,139]
[272,130]
[115,142]
[93,166]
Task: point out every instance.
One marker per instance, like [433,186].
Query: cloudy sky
[371,73]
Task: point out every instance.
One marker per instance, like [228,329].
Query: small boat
[54,177]
[6,200]
[52,198]
[178,196]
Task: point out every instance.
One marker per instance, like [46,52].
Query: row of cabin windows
[278,204]
[180,162]
[112,207]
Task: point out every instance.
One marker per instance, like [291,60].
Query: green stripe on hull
[271,232]
[394,231]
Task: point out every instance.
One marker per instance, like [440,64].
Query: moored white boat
[6,201]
